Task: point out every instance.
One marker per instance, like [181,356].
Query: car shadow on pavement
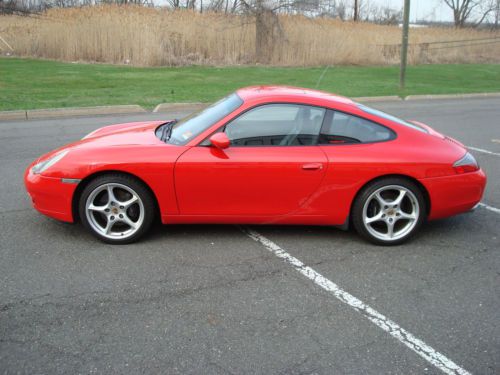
[449,228]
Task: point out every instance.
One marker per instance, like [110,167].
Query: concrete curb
[83,111]
[454,96]
[12,115]
[69,112]
[371,99]
[168,107]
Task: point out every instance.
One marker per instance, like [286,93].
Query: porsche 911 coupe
[262,155]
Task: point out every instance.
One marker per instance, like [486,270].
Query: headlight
[47,163]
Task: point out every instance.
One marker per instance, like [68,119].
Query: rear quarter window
[342,128]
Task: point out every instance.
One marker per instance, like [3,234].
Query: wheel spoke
[111,194]
[390,228]
[130,202]
[108,227]
[377,217]
[129,222]
[400,197]
[95,208]
[404,215]
[381,200]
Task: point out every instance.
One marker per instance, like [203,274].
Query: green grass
[29,84]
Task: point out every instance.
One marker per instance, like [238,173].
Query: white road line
[493,209]
[483,150]
[418,346]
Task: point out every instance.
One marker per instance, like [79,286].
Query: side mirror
[220,140]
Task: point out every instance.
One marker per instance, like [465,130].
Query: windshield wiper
[166,130]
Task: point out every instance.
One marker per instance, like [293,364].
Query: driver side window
[276,125]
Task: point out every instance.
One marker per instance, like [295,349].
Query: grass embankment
[30,84]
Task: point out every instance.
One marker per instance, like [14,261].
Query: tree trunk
[497,14]
[263,35]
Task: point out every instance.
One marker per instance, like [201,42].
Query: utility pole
[404,44]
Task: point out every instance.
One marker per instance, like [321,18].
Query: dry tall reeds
[153,37]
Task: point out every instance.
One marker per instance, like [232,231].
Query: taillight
[467,164]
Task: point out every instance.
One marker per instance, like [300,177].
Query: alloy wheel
[114,210]
[391,212]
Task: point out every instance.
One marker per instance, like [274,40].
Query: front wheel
[116,208]
[389,211]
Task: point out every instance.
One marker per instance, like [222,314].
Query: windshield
[194,124]
[389,117]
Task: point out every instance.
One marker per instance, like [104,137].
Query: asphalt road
[210,300]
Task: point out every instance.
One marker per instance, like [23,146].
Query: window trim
[389,117]
[233,94]
[206,141]
[328,112]
[394,134]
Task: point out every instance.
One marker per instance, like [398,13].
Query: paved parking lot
[212,300]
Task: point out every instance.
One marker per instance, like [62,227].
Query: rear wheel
[116,208]
[389,211]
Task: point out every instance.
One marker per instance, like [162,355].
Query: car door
[270,169]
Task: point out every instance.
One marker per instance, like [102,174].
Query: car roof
[298,93]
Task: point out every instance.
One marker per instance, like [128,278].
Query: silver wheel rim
[391,212]
[115,211]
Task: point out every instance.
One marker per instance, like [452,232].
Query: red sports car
[262,155]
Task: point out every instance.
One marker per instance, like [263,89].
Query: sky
[431,10]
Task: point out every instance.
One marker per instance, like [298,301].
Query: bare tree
[341,11]
[332,8]
[267,26]
[25,7]
[385,15]
[497,13]
[360,10]
[472,12]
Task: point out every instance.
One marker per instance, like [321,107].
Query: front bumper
[451,195]
[50,195]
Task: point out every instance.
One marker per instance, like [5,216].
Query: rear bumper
[50,196]
[451,195]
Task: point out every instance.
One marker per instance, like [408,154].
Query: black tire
[358,214]
[145,198]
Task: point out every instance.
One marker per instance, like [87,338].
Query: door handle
[312,166]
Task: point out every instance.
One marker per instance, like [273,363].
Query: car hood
[127,133]
[114,136]
[116,147]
